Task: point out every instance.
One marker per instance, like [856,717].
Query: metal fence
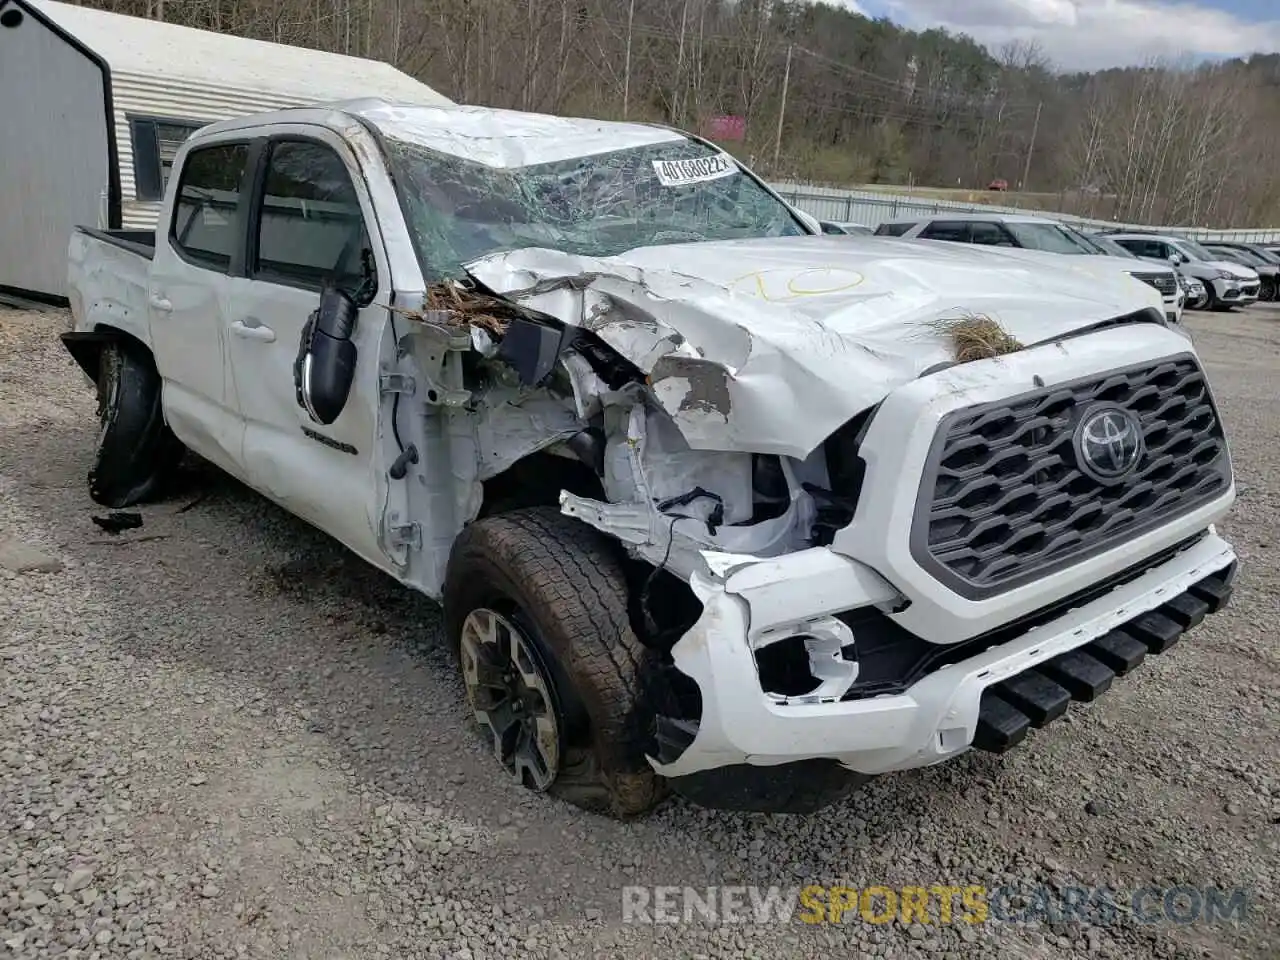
[873,208]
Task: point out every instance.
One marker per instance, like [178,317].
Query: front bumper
[935,718]
[1237,291]
[930,705]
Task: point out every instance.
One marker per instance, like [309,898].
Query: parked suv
[1193,288]
[1227,284]
[1035,234]
[1266,263]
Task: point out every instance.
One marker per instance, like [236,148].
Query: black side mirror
[326,362]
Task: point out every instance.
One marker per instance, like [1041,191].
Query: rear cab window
[205,230]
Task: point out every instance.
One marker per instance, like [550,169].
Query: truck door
[311,221]
[198,240]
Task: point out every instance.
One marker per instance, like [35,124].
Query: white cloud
[851,5]
[1089,34]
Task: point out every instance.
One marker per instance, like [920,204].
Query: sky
[1092,34]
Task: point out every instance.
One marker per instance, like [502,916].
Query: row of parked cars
[1215,275]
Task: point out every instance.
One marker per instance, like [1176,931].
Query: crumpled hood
[770,345]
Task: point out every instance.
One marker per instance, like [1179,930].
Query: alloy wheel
[510,696]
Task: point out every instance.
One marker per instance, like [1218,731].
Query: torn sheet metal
[770,345]
[659,460]
[511,424]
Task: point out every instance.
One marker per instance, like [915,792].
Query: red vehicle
[998,185]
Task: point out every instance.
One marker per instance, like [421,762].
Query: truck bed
[107,273]
[141,242]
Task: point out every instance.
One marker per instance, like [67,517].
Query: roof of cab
[487,135]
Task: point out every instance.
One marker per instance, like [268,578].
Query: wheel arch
[85,346]
[536,480]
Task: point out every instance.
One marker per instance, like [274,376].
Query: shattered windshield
[678,191]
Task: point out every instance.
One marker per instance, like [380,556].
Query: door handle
[258,332]
[160,303]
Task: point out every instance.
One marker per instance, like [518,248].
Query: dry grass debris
[977,337]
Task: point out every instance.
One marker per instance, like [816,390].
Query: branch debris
[467,307]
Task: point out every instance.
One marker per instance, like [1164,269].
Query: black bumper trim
[1035,697]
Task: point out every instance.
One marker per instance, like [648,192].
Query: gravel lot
[221,736]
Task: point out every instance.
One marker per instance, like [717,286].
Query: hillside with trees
[828,96]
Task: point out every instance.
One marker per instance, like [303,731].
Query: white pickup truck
[713,503]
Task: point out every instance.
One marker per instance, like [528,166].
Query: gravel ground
[221,736]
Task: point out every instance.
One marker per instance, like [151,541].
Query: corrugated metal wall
[874,208]
[53,153]
[153,96]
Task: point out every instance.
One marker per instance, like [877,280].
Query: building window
[155,143]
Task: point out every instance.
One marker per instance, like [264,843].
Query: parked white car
[712,503]
[1038,235]
[1227,284]
[1197,293]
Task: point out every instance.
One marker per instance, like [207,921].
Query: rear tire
[137,452]
[562,586]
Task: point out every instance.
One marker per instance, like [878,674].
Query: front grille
[1004,499]
[1166,283]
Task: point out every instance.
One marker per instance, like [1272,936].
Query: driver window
[310,228]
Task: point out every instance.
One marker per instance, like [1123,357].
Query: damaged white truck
[713,504]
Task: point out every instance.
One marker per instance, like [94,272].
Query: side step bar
[1040,695]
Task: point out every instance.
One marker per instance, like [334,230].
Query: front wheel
[137,452]
[536,610]
[1211,301]
[1267,291]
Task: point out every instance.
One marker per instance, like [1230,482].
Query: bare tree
[865,98]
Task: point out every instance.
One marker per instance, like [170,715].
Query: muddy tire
[137,452]
[560,585]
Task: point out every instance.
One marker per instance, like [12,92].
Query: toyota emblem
[1108,443]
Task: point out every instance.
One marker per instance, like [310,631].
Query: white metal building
[93,106]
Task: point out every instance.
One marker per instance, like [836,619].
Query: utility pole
[675,93]
[1035,128]
[782,111]
[626,75]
